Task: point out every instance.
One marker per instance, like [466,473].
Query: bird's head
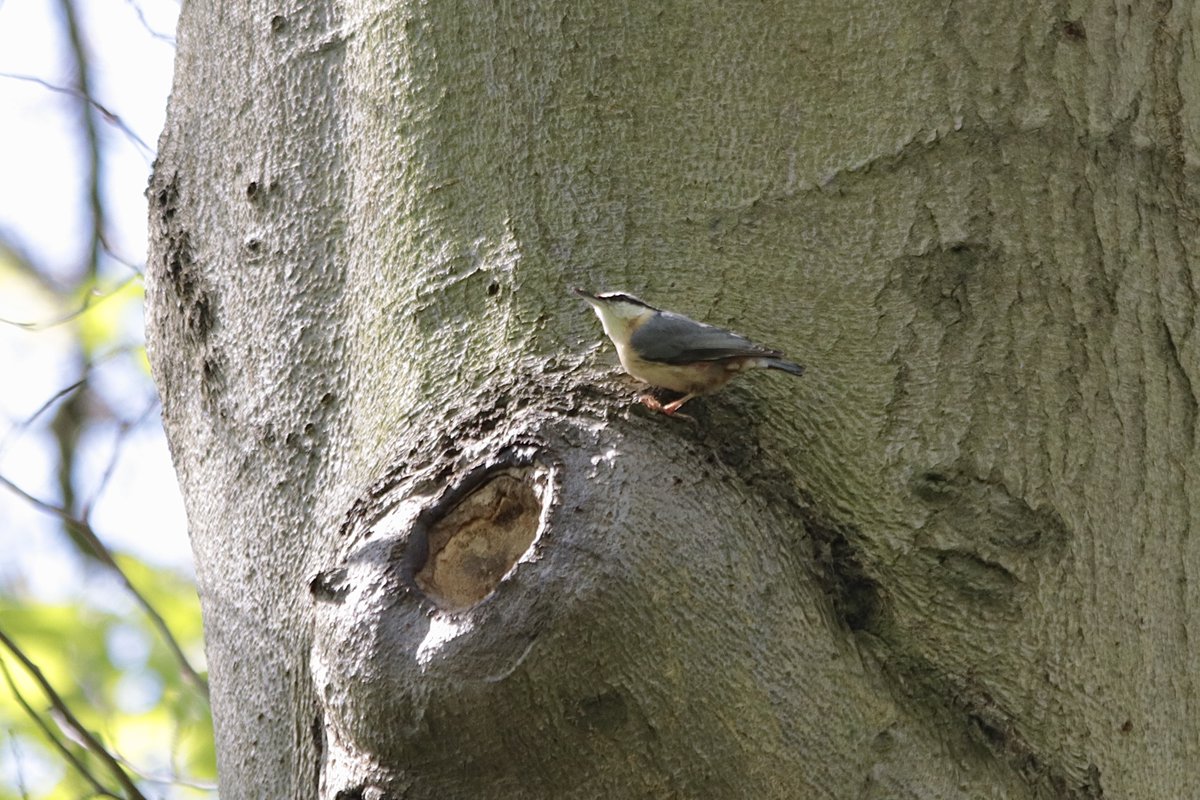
[619,313]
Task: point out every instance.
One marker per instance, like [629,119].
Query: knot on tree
[470,548]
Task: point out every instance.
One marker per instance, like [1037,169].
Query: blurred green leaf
[119,679]
[142,359]
[105,310]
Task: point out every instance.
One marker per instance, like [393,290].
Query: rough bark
[955,561]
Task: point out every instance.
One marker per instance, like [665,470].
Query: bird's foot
[670,409]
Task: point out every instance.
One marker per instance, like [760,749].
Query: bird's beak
[591,298]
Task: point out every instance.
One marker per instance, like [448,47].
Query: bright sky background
[130,42]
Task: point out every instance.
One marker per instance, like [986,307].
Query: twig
[171,780]
[23,425]
[89,742]
[88,535]
[49,734]
[90,301]
[16,756]
[109,116]
[123,430]
[54,398]
[141,15]
[93,157]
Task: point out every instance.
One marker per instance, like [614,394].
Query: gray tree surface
[443,554]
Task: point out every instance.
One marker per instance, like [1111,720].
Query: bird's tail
[786,366]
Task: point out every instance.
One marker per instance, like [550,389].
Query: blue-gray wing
[674,339]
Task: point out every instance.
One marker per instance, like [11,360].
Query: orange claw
[651,402]
[654,404]
[672,407]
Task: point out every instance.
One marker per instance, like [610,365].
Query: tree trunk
[441,552]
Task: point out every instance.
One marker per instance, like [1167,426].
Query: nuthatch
[673,352]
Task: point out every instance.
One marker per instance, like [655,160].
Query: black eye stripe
[628,298]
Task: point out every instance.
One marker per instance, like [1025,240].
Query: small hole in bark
[604,713]
[1073,29]
[474,545]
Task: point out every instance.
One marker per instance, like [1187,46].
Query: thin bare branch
[93,154]
[123,430]
[109,116]
[55,742]
[16,756]
[88,535]
[141,15]
[19,427]
[50,401]
[166,780]
[89,742]
[137,268]
[90,301]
